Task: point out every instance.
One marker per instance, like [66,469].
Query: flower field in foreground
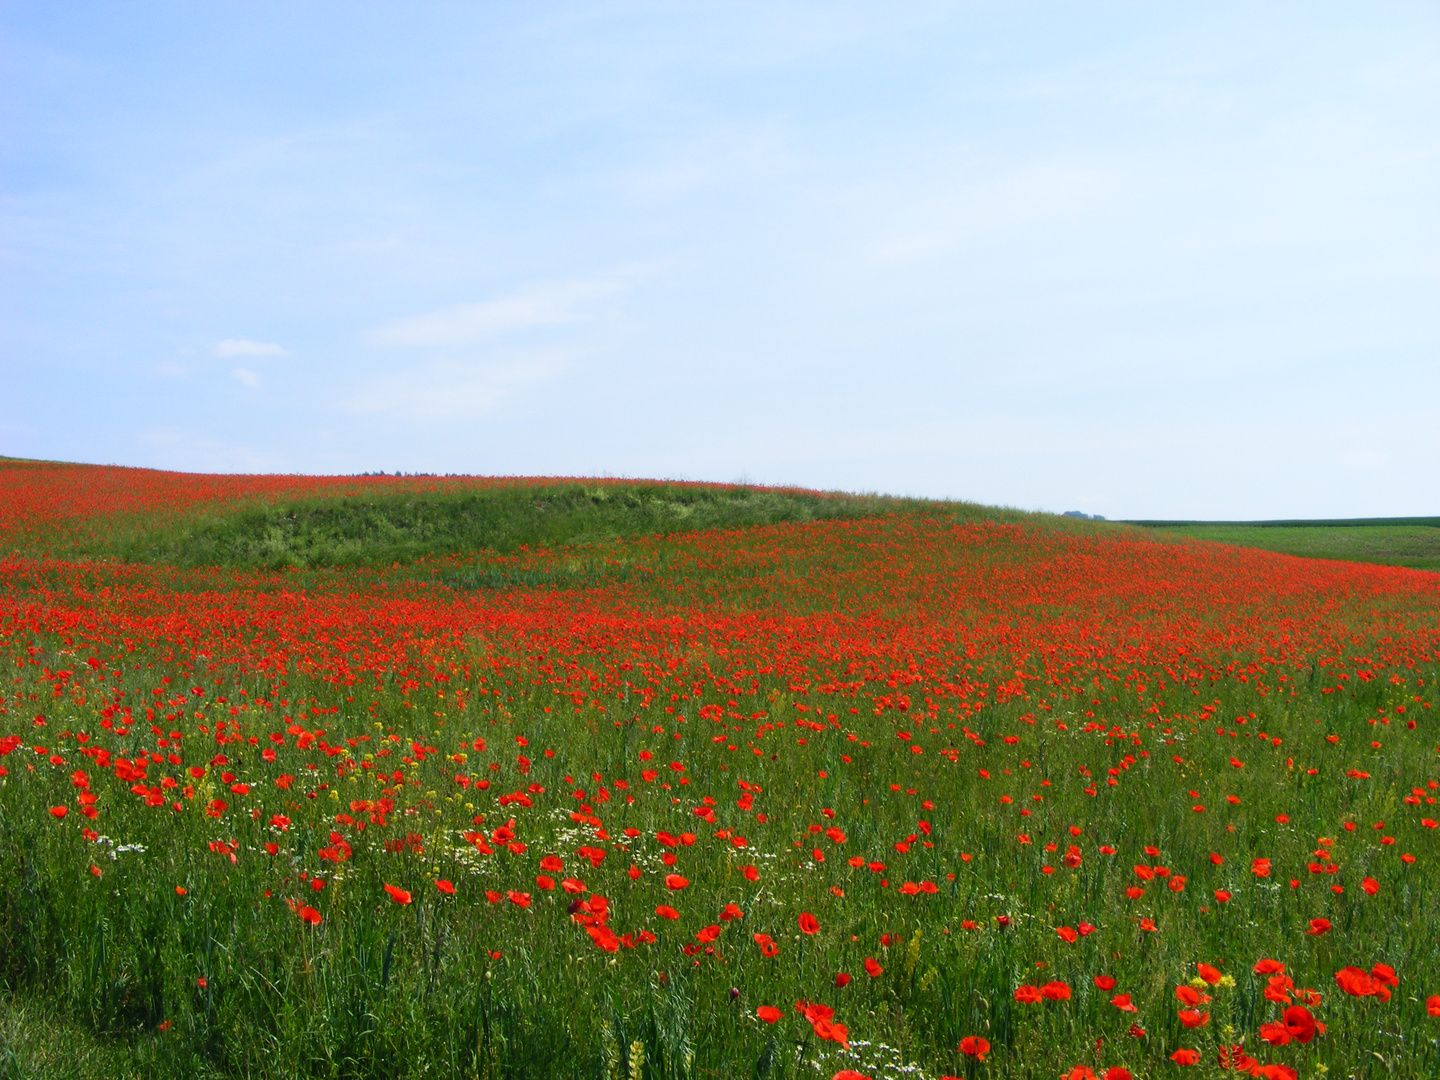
[908,796]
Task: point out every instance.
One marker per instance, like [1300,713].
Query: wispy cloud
[467,324]
[446,390]
[245,377]
[242,347]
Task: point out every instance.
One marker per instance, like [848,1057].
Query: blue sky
[1142,260]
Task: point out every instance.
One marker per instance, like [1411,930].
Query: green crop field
[394,777]
[1412,542]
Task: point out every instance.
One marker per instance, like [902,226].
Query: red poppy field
[932,793]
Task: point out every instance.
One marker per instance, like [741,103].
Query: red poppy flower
[1385,974]
[1105,982]
[1360,983]
[1118,1072]
[1193,1018]
[675,882]
[309,915]
[667,912]
[872,968]
[1067,934]
[975,1046]
[1190,996]
[446,887]
[769,1013]
[842,980]
[1186,1057]
[1269,967]
[519,899]
[1318,927]
[751,873]
[808,923]
[1123,1003]
[1432,1004]
[1275,1034]
[399,895]
[1027,995]
[1299,1023]
[1210,974]
[1055,991]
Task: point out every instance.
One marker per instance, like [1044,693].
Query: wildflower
[399,895]
[1360,983]
[769,1013]
[808,923]
[446,887]
[1186,1057]
[975,1046]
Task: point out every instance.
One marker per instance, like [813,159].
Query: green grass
[1411,542]
[403,527]
[39,1042]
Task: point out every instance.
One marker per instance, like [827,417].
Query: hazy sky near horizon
[1142,260]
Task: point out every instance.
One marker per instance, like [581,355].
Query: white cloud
[246,377]
[465,324]
[242,347]
[445,390]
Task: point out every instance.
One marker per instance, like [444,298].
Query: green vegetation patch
[406,526]
[1412,542]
